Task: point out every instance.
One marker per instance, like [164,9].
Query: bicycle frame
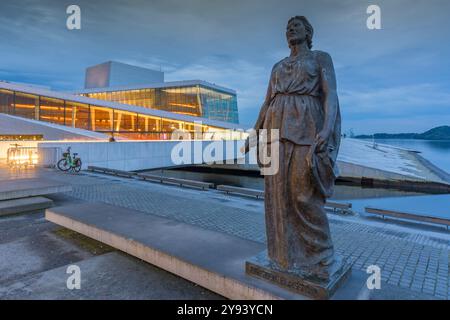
[69,162]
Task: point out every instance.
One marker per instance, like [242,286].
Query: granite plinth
[299,281]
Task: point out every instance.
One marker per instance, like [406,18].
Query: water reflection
[342,192]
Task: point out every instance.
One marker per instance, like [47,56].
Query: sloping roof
[115,105]
[10,124]
[169,84]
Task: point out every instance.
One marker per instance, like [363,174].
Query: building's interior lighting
[22,156]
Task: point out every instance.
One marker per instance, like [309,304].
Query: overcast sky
[392,80]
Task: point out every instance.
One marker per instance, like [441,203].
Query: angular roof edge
[168,84]
[114,105]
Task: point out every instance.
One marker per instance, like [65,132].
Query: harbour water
[437,152]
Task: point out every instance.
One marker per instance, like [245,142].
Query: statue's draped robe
[298,232]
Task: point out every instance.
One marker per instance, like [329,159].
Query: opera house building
[128,103]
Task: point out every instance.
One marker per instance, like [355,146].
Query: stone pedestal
[299,281]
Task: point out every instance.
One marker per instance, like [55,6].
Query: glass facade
[52,110]
[217,105]
[6,101]
[26,105]
[198,101]
[77,115]
[119,123]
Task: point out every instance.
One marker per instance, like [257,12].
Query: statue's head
[299,30]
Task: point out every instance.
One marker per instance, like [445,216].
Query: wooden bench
[335,206]
[120,173]
[150,177]
[243,191]
[339,206]
[408,216]
[97,169]
[181,182]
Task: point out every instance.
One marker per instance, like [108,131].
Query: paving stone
[402,256]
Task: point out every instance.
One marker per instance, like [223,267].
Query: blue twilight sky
[392,80]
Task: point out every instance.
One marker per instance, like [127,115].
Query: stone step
[109,276]
[8,207]
[24,188]
[212,260]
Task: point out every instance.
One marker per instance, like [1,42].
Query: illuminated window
[101,119]
[149,124]
[77,115]
[125,121]
[170,125]
[6,101]
[26,105]
[51,110]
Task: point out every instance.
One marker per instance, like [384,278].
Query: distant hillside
[438,133]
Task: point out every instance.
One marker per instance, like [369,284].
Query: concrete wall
[140,155]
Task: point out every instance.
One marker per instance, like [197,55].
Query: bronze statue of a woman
[302,104]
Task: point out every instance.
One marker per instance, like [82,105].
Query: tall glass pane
[6,101]
[125,121]
[219,105]
[77,115]
[101,119]
[26,105]
[149,124]
[51,110]
[168,126]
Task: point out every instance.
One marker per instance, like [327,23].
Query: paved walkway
[408,257]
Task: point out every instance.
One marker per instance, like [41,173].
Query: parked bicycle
[69,163]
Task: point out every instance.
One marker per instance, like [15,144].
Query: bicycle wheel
[77,167]
[63,165]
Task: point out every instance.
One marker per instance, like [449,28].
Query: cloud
[249,79]
[401,71]
[397,101]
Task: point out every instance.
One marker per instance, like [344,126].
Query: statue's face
[295,32]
